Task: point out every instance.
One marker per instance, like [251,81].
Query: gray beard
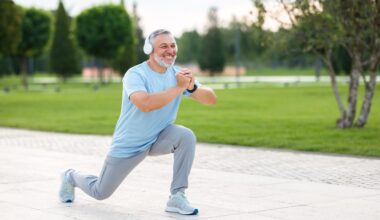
[162,63]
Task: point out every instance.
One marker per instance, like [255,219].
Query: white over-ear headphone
[148,48]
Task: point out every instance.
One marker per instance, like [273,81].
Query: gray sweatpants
[173,139]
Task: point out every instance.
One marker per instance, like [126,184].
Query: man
[152,93]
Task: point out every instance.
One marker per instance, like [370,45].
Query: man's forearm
[158,100]
[205,95]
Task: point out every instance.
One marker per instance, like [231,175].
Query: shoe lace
[183,198]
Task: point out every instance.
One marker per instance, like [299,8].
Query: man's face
[165,50]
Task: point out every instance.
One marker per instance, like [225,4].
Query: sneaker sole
[67,201]
[177,210]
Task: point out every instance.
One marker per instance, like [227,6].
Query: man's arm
[205,95]
[147,102]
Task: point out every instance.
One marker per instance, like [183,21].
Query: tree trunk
[327,60]
[369,92]
[100,70]
[24,71]
[349,115]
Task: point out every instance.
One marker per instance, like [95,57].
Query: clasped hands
[185,79]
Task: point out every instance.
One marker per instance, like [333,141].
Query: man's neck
[155,66]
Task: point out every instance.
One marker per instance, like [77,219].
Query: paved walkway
[226,182]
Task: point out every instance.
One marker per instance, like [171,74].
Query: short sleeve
[133,82]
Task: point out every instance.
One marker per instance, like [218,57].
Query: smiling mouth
[169,56]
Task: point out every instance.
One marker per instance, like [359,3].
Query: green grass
[281,71]
[296,117]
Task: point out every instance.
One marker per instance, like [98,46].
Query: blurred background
[288,73]
[227,31]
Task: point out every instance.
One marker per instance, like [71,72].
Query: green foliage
[141,56]
[261,13]
[341,60]
[10,22]
[317,32]
[36,30]
[63,54]
[253,41]
[138,35]
[188,47]
[212,55]
[102,30]
[212,52]
[360,22]
[125,57]
[359,19]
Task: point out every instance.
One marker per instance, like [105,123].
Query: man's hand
[204,95]
[182,80]
[186,72]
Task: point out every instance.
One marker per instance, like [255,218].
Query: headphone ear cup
[147,47]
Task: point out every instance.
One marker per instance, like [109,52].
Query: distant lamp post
[237,55]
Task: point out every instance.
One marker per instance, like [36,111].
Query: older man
[152,93]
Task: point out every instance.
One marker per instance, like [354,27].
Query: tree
[102,31]
[189,45]
[212,55]
[126,55]
[325,24]
[36,29]
[138,34]
[10,22]
[341,60]
[63,54]
[10,34]
[245,41]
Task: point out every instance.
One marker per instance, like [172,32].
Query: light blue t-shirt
[135,130]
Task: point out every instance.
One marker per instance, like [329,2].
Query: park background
[301,76]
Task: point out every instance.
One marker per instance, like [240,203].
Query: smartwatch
[192,90]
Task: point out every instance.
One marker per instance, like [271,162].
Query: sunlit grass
[281,71]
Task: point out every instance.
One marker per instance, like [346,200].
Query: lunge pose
[152,94]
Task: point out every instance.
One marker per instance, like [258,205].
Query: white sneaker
[179,204]
[66,192]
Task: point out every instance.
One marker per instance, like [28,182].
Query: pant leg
[180,141]
[113,173]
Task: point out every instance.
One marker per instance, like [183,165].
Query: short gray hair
[156,33]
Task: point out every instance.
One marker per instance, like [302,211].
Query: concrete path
[226,182]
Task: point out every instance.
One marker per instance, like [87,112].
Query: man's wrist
[179,89]
[195,87]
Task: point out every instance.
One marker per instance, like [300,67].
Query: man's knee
[187,136]
[102,196]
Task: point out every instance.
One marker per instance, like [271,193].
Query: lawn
[281,71]
[294,117]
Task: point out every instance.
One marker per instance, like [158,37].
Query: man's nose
[172,50]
